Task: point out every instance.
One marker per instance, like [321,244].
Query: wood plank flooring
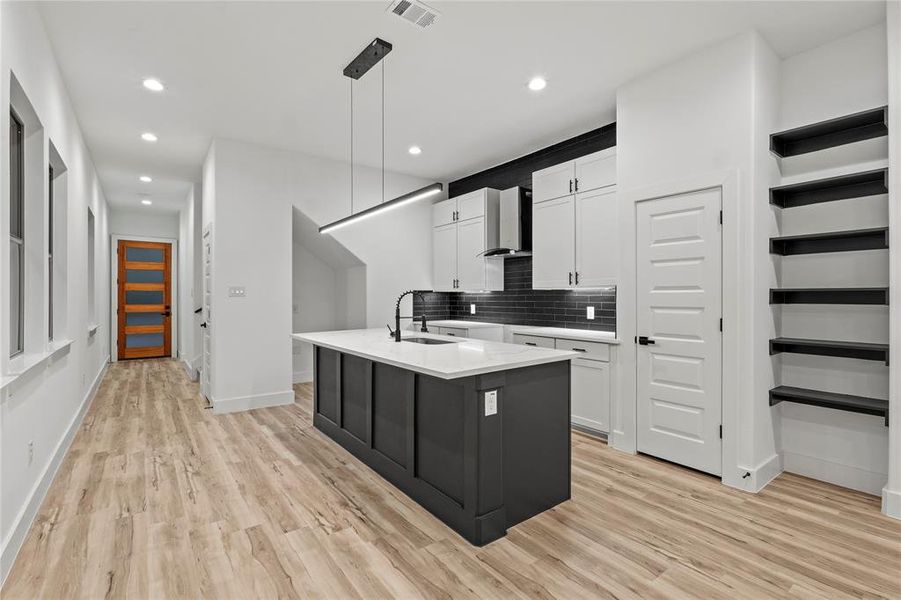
[159,499]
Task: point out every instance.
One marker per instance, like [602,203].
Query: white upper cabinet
[444,257]
[595,171]
[574,235]
[463,229]
[553,243]
[553,182]
[444,212]
[597,251]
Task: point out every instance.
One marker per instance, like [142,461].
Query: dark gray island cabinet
[481,451]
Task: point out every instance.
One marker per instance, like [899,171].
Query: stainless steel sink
[427,341]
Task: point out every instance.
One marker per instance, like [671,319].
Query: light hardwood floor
[158,498]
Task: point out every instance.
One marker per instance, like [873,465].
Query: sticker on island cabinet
[490,403]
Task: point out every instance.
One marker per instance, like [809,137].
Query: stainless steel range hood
[515,224]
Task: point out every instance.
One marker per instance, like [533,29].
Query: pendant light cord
[351,146]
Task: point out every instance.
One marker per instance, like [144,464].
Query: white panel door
[470,254]
[444,257]
[679,299]
[471,205]
[553,182]
[207,324]
[553,244]
[597,242]
[596,170]
[590,394]
[444,212]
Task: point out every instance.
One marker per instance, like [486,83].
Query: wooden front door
[145,299]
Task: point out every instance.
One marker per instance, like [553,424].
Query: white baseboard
[189,369]
[304,376]
[847,476]
[891,503]
[228,405]
[761,475]
[23,521]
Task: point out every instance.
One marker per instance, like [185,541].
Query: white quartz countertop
[464,324]
[464,358]
[605,337]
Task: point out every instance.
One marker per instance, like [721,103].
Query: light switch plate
[237,292]
[490,403]
[589,312]
[472,309]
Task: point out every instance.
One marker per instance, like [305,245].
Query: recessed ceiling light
[149,137]
[537,84]
[147,202]
[154,85]
[415,150]
[146,178]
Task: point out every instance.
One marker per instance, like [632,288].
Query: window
[50,255]
[16,234]
[92,287]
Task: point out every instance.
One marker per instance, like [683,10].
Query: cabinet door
[443,212]
[597,242]
[470,257]
[596,170]
[553,243]
[471,205]
[553,182]
[590,394]
[444,257]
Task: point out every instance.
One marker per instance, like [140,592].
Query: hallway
[158,498]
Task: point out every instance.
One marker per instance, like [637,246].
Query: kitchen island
[476,432]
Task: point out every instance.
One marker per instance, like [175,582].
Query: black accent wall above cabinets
[519,304]
[519,171]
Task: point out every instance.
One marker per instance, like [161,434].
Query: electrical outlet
[472,309]
[237,292]
[490,403]
[589,312]
[30,452]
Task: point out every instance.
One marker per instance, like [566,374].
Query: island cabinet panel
[439,436]
[392,401]
[327,384]
[356,381]
[479,465]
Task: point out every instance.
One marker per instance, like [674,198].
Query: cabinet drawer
[455,331]
[443,212]
[533,340]
[592,350]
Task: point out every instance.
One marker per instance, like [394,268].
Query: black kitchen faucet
[396,333]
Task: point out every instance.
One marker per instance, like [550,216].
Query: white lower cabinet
[590,394]
[489,334]
[590,379]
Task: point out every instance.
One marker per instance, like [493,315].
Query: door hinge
[721,432]
[721,217]
[721,324]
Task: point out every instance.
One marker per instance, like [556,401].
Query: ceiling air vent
[414,12]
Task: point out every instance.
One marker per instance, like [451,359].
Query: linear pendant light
[368,58]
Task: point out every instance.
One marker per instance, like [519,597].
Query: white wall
[248,193]
[844,76]
[45,406]
[144,223]
[700,119]
[891,494]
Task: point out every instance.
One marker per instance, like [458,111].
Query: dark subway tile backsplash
[519,304]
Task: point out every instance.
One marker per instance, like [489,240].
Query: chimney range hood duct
[515,224]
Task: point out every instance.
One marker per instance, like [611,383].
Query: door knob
[644,340]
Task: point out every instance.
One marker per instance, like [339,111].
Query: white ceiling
[270,73]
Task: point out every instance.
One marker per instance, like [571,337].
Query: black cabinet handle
[577,184]
[450,334]
[570,186]
[644,340]
[579,349]
[577,278]
[530,343]
[570,278]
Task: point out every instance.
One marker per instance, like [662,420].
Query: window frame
[50,218]
[17,196]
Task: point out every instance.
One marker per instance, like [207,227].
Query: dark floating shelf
[829,134]
[836,241]
[855,185]
[846,402]
[860,350]
[829,296]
